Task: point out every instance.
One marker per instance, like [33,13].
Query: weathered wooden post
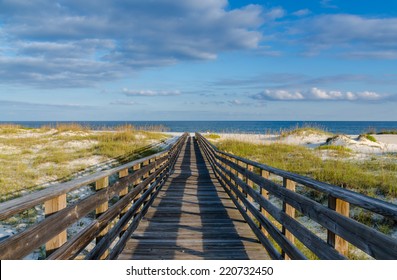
[51,207]
[229,168]
[265,174]
[240,176]
[289,210]
[123,173]
[343,208]
[251,185]
[99,185]
[137,181]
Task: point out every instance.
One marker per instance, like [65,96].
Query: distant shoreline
[245,127]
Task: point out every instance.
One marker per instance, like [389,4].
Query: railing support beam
[290,211]
[99,185]
[343,208]
[265,174]
[51,207]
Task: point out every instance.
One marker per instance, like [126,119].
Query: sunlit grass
[31,157]
[9,128]
[212,136]
[339,151]
[304,130]
[370,137]
[368,177]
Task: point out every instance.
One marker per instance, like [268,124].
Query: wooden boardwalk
[193,218]
[172,205]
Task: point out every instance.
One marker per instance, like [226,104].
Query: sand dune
[359,144]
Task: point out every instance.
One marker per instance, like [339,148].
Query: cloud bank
[315,94]
[78,43]
[350,36]
[130,92]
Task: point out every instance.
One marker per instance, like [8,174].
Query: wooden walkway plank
[193,218]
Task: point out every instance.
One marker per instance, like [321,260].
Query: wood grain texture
[193,217]
[290,211]
[334,240]
[51,207]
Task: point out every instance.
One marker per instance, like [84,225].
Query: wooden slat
[317,245]
[348,229]
[187,215]
[21,244]
[107,240]
[75,245]
[282,241]
[367,239]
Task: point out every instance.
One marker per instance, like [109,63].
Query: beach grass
[369,137]
[213,136]
[373,177]
[339,151]
[9,128]
[304,130]
[32,157]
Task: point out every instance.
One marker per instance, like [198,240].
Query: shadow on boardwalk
[193,218]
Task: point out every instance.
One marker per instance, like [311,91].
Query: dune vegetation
[372,177]
[30,158]
[339,165]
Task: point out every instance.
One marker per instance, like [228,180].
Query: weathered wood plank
[317,245]
[192,210]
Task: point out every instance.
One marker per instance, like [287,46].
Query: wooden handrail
[372,204]
[334,217]
[148,175]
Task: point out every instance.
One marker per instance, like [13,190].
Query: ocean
[255,127]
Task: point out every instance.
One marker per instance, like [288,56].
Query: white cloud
[275,13]
[237,102]
[302,13]
[130,92]
[10,103]
[315,94]
[124,103]
[280,95]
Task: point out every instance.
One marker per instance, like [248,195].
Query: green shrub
[370,137]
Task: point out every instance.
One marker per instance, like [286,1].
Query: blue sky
[198,60]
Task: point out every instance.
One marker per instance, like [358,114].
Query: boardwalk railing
[249,185]
[123,195]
